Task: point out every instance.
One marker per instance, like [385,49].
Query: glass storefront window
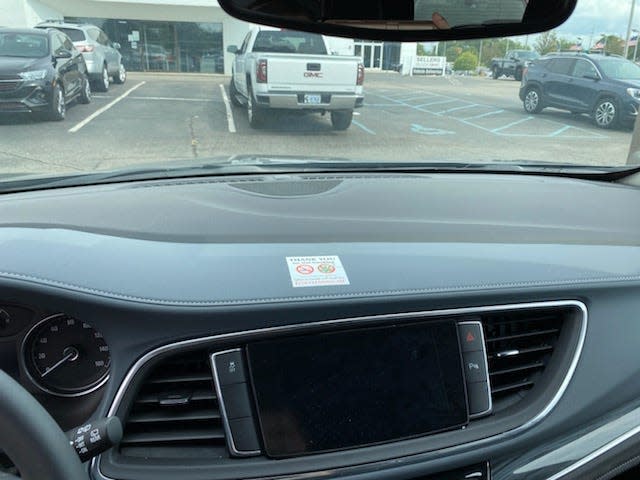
[151,46]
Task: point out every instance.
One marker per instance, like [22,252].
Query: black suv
[41,72]
[607,87]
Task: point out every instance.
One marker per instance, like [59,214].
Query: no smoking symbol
[304,269]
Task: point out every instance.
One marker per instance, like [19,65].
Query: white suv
[102,57]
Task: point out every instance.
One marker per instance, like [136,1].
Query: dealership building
[176,35]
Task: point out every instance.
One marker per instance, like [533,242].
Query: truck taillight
[261,71]
[360,78]
[84,48]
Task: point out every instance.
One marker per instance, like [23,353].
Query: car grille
[8,84]
[13,107]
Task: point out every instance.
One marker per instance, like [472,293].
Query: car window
[75,34]
[102,38]
[66,42]
[23,45]
[527,55]
[57,44]
[243,47]
[584,68]
[94,34]
[561,66]
[620,69]
[289,42]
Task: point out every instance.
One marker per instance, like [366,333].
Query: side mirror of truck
[232,49]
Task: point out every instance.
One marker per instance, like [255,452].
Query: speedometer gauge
[66,356]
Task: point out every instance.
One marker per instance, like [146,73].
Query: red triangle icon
[470,337]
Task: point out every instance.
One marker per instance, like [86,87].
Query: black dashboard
[118,299]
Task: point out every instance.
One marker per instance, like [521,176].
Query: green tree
[547,42]
[453,52]
[465,62]
[421,51]
[613,44]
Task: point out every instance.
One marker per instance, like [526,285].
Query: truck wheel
[532,100]
[254,113]
[495,73]
[341,120]
[518,74]
[233,94]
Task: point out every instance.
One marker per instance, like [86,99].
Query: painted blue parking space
[490,119]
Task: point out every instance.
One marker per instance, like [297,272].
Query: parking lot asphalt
[155,117]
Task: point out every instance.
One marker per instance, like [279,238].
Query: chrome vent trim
[175,408]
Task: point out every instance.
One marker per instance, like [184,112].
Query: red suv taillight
[360,77]
[84,48]
[261,72]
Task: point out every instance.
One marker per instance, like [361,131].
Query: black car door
[68,68]
[585,88]
[557,84]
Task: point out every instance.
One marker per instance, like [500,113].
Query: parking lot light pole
[626,45]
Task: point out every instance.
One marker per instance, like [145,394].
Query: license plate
[312,99]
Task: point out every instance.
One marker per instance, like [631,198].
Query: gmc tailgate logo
[312,74]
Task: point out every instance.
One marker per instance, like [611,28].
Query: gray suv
[102,57]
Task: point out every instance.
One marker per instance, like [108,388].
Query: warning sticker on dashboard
[321,271]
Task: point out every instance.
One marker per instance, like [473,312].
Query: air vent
[175,413]
[519,347]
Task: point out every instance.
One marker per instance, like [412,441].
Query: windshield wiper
[252,165]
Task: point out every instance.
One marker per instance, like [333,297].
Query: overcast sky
[599,16]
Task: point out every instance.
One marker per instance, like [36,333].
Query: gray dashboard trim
[115,404]
[413,291]
[595,454]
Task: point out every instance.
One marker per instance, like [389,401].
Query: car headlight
[634,92]
[33,75]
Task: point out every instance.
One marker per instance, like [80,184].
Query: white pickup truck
[288,70]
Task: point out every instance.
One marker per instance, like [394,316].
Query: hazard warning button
[470,336]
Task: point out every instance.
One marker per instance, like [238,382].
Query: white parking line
[471,105]
[482,115]
[512,124]
[178,99]
[230,122]
[100,111]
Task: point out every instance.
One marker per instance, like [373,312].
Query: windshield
[180,83]
[23,45]
[620,69]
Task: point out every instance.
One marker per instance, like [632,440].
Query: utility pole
[480,54]
[626,45]
[635,49]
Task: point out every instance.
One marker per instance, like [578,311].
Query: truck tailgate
[312,73]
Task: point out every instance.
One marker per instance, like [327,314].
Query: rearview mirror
[232,49]
[406,20]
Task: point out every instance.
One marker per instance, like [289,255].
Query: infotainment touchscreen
[331,391]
